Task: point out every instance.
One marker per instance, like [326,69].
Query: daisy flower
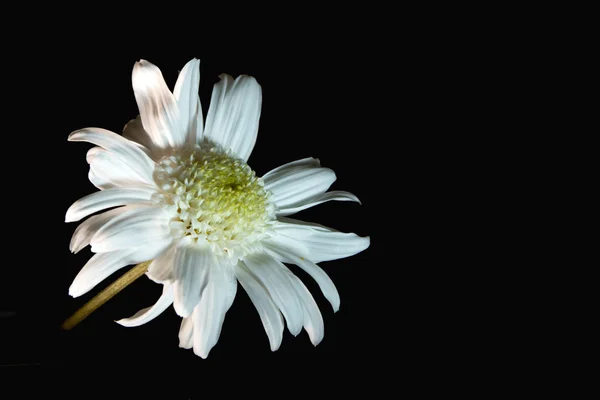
[181,194]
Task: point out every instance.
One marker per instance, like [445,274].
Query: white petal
[337,195]
[84,232]
[99,181]
[188,101]
[133,228]
[161,269]
[299,185]
[135,132]
[92,153]
[148,314]
[135,235]
[286,254]
[313,320]
[232,119]
[216,299]
[106,199]
[126,150]
[272,275]
[230,282]
[267,310]
[186,333]
[108,171]
[190,269]
[283,170]
[316,242]
[97,269]
[158,108]
[102,265]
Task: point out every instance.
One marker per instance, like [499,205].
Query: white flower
[187,200]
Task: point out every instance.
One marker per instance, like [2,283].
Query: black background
[407,106]
[326,105]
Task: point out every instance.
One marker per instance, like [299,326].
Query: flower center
[215,198]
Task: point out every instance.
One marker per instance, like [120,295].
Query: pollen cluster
[214,198]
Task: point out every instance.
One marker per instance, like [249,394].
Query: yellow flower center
[215,198]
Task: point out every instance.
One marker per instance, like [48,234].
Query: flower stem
[106,295]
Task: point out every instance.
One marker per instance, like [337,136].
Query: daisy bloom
[181,194]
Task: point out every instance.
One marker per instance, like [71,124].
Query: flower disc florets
[215,198]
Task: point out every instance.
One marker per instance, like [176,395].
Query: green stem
[106,295]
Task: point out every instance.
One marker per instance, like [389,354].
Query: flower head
[186,199]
